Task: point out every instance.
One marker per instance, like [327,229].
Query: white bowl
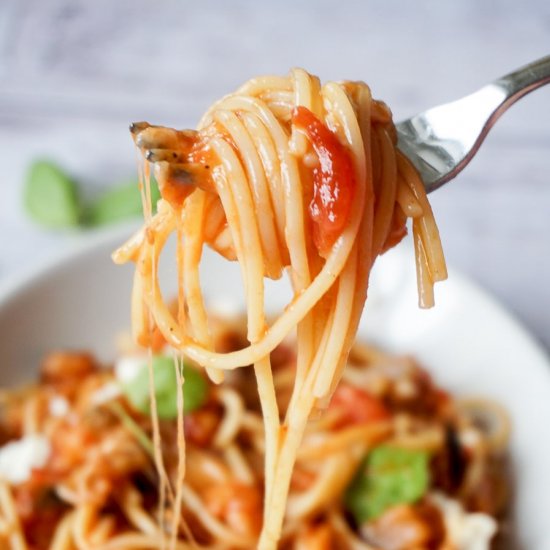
[469,343]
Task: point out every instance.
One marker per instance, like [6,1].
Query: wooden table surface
[73,73]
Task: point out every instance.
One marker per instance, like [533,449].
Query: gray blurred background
[74,73]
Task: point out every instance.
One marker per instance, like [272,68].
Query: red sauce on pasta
[333,180]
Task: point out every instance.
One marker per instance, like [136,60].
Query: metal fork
[441,141]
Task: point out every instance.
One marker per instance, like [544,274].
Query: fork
[441,141]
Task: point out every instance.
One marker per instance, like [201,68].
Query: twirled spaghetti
[98,487]
[284,174]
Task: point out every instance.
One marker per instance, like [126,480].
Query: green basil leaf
[50,196]
[195,388]
[388,476]
[122,202]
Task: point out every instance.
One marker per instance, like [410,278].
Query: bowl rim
[18,281]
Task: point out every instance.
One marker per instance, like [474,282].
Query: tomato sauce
[357,406]
[333,180]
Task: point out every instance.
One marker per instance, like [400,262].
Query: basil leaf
[388,476]
[50,196]
[122,202]
[195,388]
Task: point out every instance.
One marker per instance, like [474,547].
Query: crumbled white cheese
[105,393]
[470,437]
[19,458]
[58,406]
[128,367]
[466,531]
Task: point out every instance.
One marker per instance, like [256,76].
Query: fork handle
[522,81]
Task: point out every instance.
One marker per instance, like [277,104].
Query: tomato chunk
[358,406]
[333,180]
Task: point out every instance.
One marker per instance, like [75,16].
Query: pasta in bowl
[394,462]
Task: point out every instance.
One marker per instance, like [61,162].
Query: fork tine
[168,150]
[188,175]
[180,173]
[159,137]
[154,137]
[158,155]
[137,127]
